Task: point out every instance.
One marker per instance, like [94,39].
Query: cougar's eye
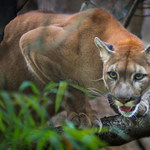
[113,75]
[139,76]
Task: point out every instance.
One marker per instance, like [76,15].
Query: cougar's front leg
[144,104]
[79,110]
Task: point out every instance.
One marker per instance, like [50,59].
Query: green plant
[23,121]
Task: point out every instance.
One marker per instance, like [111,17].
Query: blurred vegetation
[19,129]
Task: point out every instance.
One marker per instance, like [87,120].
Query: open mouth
[127,109]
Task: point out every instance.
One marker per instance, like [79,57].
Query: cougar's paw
[81,120]
[143,109]
[84,120]
[95,123]
[74,117]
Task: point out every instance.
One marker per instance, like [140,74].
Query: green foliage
[23,121]
[60,93]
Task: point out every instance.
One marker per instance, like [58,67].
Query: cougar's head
[126,74]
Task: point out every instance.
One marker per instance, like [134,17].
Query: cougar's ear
[37,47]
[105,49]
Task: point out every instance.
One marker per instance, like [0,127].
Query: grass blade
[61,92]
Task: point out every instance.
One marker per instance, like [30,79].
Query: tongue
[126,109]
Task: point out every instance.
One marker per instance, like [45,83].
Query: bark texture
[123,130]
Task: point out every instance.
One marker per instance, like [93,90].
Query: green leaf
[30,84]
[37,107]
[2,104]
[20,130]
[9,105]
[51,85]
[24,109]
[2,125]
[61,91]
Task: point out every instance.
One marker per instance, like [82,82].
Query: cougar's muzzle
[125,106]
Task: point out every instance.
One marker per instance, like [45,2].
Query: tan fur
[61,47]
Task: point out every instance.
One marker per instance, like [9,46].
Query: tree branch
[122,130]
